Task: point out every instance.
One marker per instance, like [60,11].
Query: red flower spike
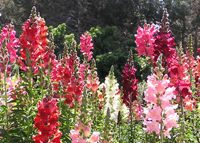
[34,41]
[46,122]
[72,83]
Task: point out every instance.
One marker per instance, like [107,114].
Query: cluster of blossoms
[33,43]
[66,72]
[197,77]
[86,45]
[46,122]
[152,43]
[160,114]
[71,74]
[145,40]
[178,70]
[129,82]
[8,55]
[112,97]
[93,80]
[8,48]
[176,64]
[179,77]
[81,134]
[163,42]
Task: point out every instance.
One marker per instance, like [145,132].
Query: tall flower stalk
[8,55]
[82,130]
[160,114]
[129,89]
[112,97]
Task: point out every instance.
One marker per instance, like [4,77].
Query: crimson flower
[163,42]
[129,82]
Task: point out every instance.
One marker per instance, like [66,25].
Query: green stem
[161,132]
[60,104]
[94,109]
[6,101]
[42,92]
[119,134]
[75,106]
[146,137]
[182,129]
[131,125]
[29,104]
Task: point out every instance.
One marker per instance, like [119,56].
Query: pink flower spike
[86,45]
[144,40]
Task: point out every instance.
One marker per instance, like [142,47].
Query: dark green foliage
[104,40]
[109,50]
[60,37]
[22,113]
[118,60]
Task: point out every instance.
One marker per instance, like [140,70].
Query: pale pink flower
[151,92]
[166,133]
[81,126]
[81,134]
[95,137]
[169,111]
[76,128]
[161,85]
[171,121]
[86,131]
[154,114]
[165,103]
[151,97]
[74,135]
[79,141]
[169,93]
[152,126]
